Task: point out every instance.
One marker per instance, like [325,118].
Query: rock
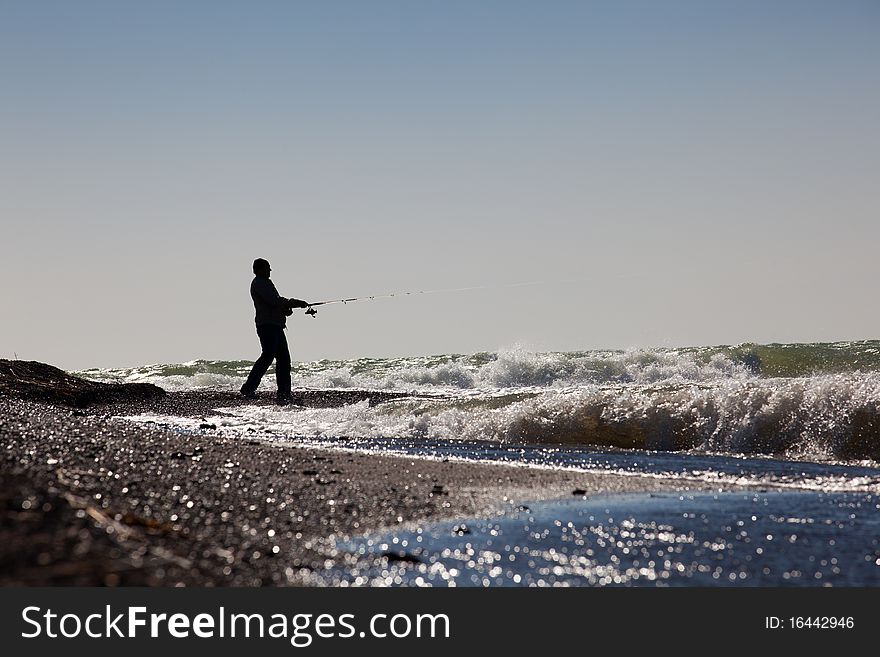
[33,381]
[401,557]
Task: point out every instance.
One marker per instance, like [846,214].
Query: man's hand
[298,303]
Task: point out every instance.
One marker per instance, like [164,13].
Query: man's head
[262,268]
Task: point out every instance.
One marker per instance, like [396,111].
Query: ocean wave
[508,368]
[192,375]
[517,367]
[821,404]
[824,418]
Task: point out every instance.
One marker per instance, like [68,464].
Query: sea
[797,425]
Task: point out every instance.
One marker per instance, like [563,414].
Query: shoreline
[87,499]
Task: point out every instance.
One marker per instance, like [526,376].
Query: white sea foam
[718,399]
[824,417]
[514,367]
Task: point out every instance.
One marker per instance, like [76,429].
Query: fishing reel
[311,311]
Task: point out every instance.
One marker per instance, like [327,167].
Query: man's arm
[269,294]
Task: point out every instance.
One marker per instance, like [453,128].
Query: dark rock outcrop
[33,381]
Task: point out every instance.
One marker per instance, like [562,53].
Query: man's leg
[282,368]
[268,344]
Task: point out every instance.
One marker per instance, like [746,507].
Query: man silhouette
[272,311]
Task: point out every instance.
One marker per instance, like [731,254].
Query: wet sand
[86,499]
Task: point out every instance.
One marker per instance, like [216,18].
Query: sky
[672,173]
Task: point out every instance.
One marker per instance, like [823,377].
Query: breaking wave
[818,402]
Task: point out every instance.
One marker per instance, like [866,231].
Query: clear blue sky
[707,171]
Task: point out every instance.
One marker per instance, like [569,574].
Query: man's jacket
[271,307]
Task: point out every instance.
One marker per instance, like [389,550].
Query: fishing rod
[310,309]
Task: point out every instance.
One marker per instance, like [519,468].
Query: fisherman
[272,311]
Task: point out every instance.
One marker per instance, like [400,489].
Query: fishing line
[310,310]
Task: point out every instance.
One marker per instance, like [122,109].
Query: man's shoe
[248,395]
[284,400]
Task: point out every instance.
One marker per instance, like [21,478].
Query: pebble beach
[89,499]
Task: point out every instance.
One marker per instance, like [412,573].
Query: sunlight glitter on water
[728,539]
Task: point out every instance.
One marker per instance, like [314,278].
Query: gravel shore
[87,499]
